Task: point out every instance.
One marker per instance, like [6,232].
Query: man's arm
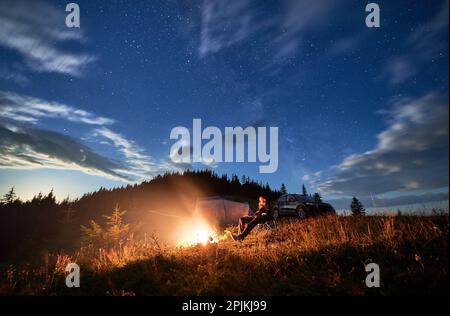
[261,211]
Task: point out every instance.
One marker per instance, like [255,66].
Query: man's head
[262,201]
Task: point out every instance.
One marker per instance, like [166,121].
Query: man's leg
[242,221]
[255,221]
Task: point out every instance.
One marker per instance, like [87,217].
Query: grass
[319,256]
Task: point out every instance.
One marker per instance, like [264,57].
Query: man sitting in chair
[247,223]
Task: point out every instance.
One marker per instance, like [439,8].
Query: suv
[302,206]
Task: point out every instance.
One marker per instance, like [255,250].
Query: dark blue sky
[360,111]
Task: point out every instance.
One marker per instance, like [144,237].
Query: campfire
[196,231]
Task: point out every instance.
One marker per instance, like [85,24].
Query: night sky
[360,110]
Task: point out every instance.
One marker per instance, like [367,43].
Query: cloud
[24,147]
[411,154]
[36,31]
[14,76]
[299,17]
[422,45]
[28,109]
[176,164]
[344,45]
[227,23]
[426,39]
[400,69]
[138,163]
[381,203]
[312,177]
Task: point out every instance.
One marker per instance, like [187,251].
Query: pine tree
[283,189]
[50,198]
[356,207]
[9,197]
[304,192]
[116,230]
[317,197]
[113,234]
[92,234]
[67,215]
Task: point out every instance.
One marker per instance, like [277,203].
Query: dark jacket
[263,210]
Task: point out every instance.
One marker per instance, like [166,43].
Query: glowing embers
[196,231]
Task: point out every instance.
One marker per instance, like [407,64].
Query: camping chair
[271,224]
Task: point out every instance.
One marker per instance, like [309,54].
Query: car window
[310,199]
[282,199]
[290,198]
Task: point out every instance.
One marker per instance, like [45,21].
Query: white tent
[221,211]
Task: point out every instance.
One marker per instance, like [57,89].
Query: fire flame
[196,231]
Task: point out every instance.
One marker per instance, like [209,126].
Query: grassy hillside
[321,256]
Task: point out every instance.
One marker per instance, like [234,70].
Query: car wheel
[301,212]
